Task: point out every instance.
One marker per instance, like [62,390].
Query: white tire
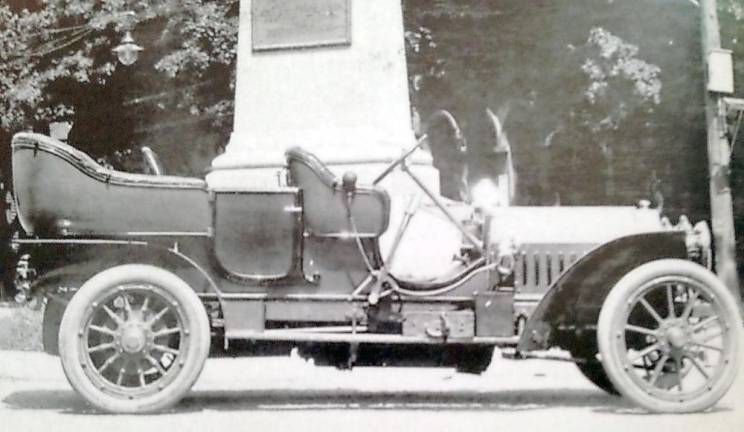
[134,339]
[669,334]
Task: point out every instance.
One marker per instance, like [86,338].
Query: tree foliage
[618,81]
[71,41]
[595,93]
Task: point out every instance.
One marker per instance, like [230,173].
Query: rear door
[258,233]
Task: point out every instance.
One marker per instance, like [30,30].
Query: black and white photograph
[371,215]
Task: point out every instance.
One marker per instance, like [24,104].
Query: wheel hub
[677,337]
[133,339]
[674,334]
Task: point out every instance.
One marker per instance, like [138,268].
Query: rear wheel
[669,335]
[134,339]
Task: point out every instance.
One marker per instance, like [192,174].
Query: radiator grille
[538,266]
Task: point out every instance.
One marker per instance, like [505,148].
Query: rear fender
[59,283]
[71,264]
[575,298]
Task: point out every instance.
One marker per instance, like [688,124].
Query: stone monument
[326,75]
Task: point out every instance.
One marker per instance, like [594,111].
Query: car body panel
[308,253]
[64,192]
[258,234]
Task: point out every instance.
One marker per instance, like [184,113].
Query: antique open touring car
[144,275]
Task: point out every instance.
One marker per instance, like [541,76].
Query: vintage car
[144,275]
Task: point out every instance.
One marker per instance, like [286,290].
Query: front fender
[573,301]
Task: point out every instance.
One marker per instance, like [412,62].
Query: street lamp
[127,51]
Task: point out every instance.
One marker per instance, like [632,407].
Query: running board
[308,336]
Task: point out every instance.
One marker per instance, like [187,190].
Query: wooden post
[721,205]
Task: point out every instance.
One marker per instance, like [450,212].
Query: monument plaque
[287,24]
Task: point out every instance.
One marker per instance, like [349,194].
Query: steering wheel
[441,114]
[399,160]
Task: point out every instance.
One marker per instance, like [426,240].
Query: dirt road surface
[289,394]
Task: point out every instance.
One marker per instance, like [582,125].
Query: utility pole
[719,154]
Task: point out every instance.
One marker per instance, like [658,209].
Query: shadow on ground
[69,402]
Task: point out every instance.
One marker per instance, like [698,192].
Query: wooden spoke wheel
[669,335]
[134,339]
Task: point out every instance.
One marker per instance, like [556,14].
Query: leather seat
[325,201]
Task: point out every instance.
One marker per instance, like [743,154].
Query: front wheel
[668,335]
[134,339]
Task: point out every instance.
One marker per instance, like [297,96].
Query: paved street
[290,394]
